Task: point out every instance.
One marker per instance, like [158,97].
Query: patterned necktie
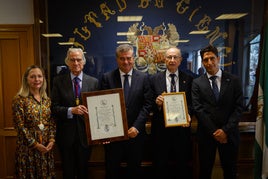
[172,84]
[215,87]
[126,86]
[77,89]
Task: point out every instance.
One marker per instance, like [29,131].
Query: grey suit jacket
[222,114]
[62,98]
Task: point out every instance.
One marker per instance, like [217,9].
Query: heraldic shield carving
[151,45]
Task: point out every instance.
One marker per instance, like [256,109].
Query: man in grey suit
[171,144]
[68,110]
[218,103]
[138,104]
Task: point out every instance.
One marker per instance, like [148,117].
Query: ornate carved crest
[151,44]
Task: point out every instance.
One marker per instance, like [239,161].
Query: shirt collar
[218,74]
[168,73]
[129,73]
[80,76]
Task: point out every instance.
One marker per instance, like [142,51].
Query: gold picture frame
[106,120]
[175,109]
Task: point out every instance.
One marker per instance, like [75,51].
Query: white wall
[16,12]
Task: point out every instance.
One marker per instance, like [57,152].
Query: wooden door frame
[23,34]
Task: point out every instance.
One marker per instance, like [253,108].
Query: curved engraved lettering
[193,13]
[77,44]
[91,17]
[159,3]
[203,23]
[121,7]
[180,8]
[144,4]
[85,30]
[105,10]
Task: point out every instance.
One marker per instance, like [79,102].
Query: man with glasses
[68,110]
[138,101]
[171,144]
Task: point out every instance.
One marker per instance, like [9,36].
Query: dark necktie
[215,87]
[126,86]
[76,89]
[172,84]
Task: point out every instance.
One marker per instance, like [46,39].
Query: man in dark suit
[68,110]
[138,104]
[171,144]
[218,115]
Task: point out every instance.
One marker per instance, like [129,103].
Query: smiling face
[173,59]
[35,79]
[75,62]
[211,62]
[125,61]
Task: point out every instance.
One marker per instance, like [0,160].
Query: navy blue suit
[71,133]
[212,115]
[171,143]
[138,108]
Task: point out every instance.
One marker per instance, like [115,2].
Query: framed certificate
[175,109]
[106,120]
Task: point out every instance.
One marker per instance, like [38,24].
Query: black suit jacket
[62,98]
[139,101]
[158,85]
[222,114]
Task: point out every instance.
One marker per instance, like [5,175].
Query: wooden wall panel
[10,145]
[10,78]
[16,54]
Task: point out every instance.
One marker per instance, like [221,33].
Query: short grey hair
[124,48]
[70,50]
[176,48]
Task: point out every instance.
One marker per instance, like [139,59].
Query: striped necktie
[172,84]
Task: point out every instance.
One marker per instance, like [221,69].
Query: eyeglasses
[75,60]
[175,57]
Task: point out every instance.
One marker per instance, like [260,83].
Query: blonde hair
[25,90]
